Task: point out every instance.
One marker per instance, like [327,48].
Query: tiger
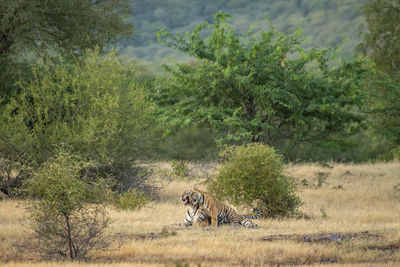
[205,210]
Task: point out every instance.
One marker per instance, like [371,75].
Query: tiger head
[191,197]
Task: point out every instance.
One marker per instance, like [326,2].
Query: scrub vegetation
[110,109]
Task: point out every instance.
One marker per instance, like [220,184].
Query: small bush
[67,212]
[254,174]
[392,154]
[132,200]
[180,169]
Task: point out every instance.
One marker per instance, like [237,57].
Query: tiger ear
[188,192]
[196,187]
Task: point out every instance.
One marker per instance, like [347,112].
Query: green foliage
[384,108]
[260,87]
[189,143]
[32,28]
[96,107]
[178,264]
[67,216]
[65,26]
[380,43]
[13,171]
[180,169]
[254,174]
[131,200]
[381,38]
[392,154]
[363,146]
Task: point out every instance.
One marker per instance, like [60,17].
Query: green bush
[254,174]
[97,106]
[180,169]
[131,199]
[67,210]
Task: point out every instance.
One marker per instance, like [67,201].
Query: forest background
[323,24]
[62,87]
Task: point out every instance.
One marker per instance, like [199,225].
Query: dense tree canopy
[35,27]
[381,42]
[262,87]
[96,106]
[381,39]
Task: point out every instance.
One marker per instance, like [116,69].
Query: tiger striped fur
[195,214]
[205,210]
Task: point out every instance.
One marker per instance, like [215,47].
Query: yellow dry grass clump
[342,198]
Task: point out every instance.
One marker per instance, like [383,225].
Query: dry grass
[337,199]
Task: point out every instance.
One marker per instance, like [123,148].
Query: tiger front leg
[201,224]
[210,215]
[202,218]
[214,217]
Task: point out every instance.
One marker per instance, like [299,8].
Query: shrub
[131,200]
[67,212]
[97,106]
[254,174]
[180,169]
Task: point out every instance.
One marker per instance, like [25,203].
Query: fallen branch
[163,233]
[319,238]
[150,236]
[121,238]
[178,227]
[390,247]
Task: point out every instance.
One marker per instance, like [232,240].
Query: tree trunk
[72,253]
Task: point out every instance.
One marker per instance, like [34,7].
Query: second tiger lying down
[204,210]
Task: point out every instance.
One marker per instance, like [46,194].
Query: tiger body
[205,209]
[195,214]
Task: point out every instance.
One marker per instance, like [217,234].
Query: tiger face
[206,210]
[190,197]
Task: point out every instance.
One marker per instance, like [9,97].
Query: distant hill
[324,22]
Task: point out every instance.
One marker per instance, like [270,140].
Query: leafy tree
[67,212]
[381,43]
[263,87]
[95,106]
[29,28]
[381,40]
[384,109]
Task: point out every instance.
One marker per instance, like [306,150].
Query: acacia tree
[260,87]
[97,106]
[67,211]
[29,28]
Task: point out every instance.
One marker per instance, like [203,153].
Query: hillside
[324,23]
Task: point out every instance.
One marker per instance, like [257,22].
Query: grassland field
[338,198]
